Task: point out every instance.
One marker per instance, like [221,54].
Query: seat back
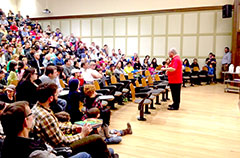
[106,83]
[14,82]
[137,83]
[150,81]
[62,83]
[144,83]
[196,69]
[205,68]
[187,69]
[96,84]
[147,73]
[81,106]
[122,77]
[113,79]
[68,81]
[130,76]
[157,78]
[159,67]
[132,91]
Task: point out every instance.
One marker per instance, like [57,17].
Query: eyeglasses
[28,115]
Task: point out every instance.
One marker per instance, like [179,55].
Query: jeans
[59,106]
[111,151]
[81,155]
[113,140]
[62,104]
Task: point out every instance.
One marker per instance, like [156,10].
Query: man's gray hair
[173,50]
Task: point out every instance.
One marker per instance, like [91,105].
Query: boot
[128,130]
[106,130]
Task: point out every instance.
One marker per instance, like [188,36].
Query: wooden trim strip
[130,13]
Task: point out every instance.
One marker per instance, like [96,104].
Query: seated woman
[111,70]
[119,70]
[27,88]
[21,70]
[186,72]
[128,69]
[3,82]
[92,101]
[194,66]
[9,95]
[12,72]
[151,69]
[74,97]
[185,64]
[137,64]
[154,62]
[77,74]
[195,72]
[145,64]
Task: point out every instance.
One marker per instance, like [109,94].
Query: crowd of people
[36,65]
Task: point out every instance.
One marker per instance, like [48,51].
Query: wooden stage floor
[206,126]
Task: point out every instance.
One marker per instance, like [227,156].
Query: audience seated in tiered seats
[42,64]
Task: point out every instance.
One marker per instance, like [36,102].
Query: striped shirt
[47,127]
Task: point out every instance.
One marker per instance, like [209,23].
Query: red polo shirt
[175,77]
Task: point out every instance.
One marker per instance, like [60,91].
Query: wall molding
[130,13]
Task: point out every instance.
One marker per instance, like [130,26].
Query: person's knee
[82,155]
[62,103]
[117,139]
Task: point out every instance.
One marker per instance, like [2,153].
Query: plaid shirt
[47,127]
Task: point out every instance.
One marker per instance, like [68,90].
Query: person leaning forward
[57,134]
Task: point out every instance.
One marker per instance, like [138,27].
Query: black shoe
[121,103]
[170,105]
[115,156]
[172,108]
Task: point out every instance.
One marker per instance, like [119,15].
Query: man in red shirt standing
[174,72]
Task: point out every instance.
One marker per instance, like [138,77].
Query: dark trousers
[176,93]
[93,145]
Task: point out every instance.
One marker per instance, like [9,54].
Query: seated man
[50,76]
[59,59]
[54,133]
[95,74]
[67,68]
[86,73]
[17,121]
[3,82]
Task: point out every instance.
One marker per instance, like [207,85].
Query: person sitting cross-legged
[110,136]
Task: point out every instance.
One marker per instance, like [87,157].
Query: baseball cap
[75,70]
[11,87]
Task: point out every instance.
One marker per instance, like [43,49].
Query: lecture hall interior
[146,78]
